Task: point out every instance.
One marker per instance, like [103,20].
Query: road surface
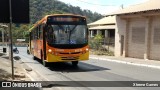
[92,70]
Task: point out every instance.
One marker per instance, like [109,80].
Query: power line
[94,3]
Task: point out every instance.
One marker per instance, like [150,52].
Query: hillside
[39,8]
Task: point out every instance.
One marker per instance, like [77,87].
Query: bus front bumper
[67,58]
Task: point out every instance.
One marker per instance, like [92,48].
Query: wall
[155,39]
[119,30]
[142,37]
[137,33]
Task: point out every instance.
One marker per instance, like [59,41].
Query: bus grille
[71,53]
[69,58]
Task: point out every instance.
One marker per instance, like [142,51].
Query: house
[137,32]
[104,26]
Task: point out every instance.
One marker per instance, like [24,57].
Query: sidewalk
[130,61]
[22,72]
[5,69]
[19,73]
[20,68]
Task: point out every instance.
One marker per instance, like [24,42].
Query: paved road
[93,70]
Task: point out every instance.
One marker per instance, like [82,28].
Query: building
[104,26]
[3,33]
[137,32]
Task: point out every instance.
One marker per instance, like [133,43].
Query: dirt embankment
[5,70]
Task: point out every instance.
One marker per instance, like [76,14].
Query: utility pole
[19,10]
[10,39]
[122,6]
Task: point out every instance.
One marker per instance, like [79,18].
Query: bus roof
[43,20]
[66,15]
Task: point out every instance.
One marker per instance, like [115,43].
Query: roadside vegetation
[97,48]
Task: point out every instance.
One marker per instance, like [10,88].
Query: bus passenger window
[40,32]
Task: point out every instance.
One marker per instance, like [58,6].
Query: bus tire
[74,63]
[45,63]
[34,58]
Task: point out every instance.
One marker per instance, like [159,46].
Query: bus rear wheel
[74,63]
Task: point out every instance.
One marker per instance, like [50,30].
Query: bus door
[40,41]
[44,42]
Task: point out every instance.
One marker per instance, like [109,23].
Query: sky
[102,6]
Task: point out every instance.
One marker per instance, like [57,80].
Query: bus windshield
[67,34]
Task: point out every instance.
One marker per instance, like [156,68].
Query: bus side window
[38,32]
[41,32]
[35,33]
[31,35]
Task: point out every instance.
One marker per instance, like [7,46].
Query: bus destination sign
[65,19]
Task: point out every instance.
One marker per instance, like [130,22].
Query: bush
[97,47]
[95,43]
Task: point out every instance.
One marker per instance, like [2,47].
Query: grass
[101,52]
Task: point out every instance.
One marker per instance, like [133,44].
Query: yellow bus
[60,38]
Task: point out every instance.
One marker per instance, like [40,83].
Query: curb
[42,77]
[125,62]
[22,65]
[38,73]
[27,72]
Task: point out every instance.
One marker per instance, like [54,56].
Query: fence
[104,45]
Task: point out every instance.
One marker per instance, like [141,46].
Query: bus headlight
[50,50]
[87,49]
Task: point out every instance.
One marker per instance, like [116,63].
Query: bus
[60,38]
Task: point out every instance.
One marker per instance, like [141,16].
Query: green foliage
[20,32]
[95,43]
[97,47]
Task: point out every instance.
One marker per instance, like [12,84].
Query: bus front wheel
[45,63]
[74,63]
[34,58]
